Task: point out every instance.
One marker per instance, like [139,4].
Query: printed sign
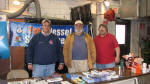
[21,32]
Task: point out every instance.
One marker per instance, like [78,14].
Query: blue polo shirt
[79,50]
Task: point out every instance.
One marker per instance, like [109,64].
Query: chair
[17,74]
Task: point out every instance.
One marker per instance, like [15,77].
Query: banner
[4,49]
[3,18]
[21,32]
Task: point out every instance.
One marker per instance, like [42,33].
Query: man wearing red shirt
[106,45]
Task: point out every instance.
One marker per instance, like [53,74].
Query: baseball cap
[46,20]
[78,22]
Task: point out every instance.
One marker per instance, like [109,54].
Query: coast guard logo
[50,42]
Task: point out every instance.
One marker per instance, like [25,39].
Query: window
[120,34]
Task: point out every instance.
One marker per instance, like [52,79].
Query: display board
[21,32]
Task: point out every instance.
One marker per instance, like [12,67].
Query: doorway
[123,35]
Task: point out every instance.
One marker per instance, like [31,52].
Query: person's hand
[30,66]
[61,66]
[117,59]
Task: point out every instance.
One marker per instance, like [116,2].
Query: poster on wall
[21,32]
[4,49]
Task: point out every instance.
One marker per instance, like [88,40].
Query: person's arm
[92,49]
[60,56]
[117,49]
[30,53]
[66,49]
[117,58]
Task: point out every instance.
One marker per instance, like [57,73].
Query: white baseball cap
[46,20]
[78,22]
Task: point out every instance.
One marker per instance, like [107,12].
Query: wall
[4,67]
[3,4]
[59,9]
[55,9]
[134,41]
[137,34]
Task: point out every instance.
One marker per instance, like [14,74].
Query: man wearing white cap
[79,50]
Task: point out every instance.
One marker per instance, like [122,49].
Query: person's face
[46,27]
[102,30]
[78,28]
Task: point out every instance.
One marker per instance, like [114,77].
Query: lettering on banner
[62,33]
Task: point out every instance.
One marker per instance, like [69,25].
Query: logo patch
[50,42]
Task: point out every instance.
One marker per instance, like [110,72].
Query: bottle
[144,68]
[122,65]
[133,69]
[138,69]
[120,71]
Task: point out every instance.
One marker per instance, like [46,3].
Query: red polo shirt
[105,48]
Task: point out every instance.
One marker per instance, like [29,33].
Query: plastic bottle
[121,68]
[138,69]
[122,63]
[144,68]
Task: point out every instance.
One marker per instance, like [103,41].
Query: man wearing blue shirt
[44,50]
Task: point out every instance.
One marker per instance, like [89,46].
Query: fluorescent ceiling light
[16,2]
[106,3]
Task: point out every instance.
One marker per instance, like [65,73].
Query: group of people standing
[80,51]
